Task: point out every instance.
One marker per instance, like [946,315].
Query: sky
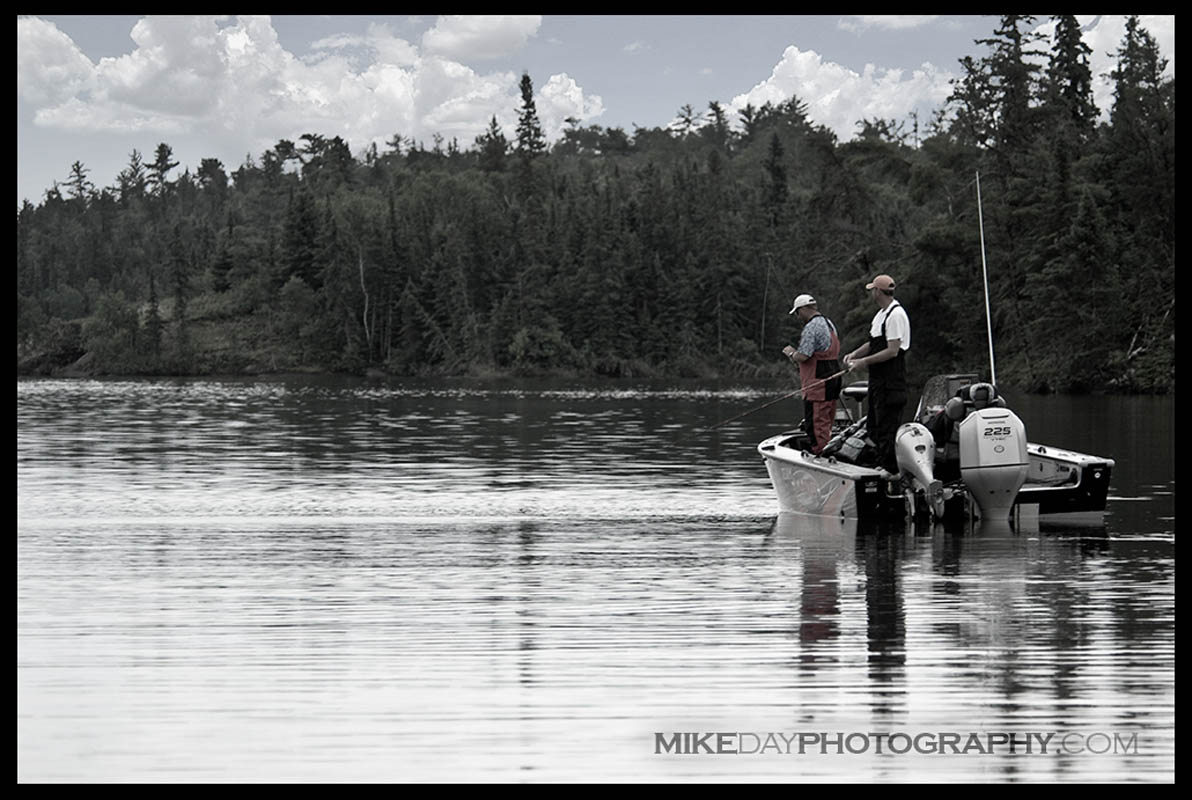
[92,88]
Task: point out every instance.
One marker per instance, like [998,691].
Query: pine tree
[300,245]
[179,258]
[749,123]
[717,132]
[161,165]
[1069,83]
[154,324]
[972,98]
[1138,77]
[132,179]
[1141,177]
[531,142]
[1142,137]
[79,186]
[685,123]
[1013,75]
[493,147]
[776,182]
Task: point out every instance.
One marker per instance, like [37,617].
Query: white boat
[964,453]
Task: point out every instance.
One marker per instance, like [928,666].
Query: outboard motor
[914,448]
[993,457]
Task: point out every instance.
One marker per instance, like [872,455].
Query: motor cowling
[914,448]
[993,459]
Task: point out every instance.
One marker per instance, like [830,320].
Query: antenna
[985,273]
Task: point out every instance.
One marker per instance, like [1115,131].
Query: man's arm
[850,361]
[807,342]
[891,351]
[794,354]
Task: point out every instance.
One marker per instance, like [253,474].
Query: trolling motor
[914,448]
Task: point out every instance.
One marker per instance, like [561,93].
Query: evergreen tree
[1141,177]
[180,268]
[685,123]
[531,141]
[973,102]
[717,132]
[1013,78]
[493,147]
[300,245]
[776,180]
[211,176]
[132,180]
[1138,76]
[154,324]
[79,186]
[162,164]
[655,253]
[749,123]
[1069,83]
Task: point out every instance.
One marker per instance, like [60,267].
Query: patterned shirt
[817,336]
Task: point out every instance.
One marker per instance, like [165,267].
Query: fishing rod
[770,272]
[800,390]
[985,273]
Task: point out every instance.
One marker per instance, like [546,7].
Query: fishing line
[787,396]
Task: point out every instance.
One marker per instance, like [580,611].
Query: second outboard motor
[914,448]
[993,456]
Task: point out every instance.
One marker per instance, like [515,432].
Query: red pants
[817,421]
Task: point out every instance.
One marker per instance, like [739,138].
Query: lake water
[334,580]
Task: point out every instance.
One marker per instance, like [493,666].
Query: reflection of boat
[833,535]
[964,453]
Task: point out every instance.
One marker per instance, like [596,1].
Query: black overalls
[887,398]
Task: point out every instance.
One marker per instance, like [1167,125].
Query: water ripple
[322,581]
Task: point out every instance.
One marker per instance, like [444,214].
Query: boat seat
[857,391]
[946,432]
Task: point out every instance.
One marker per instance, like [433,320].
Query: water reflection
[326,581]
[1011,628]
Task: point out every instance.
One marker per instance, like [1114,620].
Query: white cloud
[479,37]
[838,97]
[176,67]
[856,23]
[232,82]
[453,100]
[50,68]
[77,115]
[380,40]
[561,98]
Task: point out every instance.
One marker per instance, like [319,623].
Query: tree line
[662,252]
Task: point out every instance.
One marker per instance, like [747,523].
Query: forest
[657,253]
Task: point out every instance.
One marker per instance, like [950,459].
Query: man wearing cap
[884,355]
[817,354]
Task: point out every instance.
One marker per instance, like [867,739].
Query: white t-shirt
[898,325]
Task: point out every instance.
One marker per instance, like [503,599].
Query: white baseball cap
[802,300]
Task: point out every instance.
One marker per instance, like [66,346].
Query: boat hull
[952,459]
[1063,482]
[808,484]
[1059,484]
